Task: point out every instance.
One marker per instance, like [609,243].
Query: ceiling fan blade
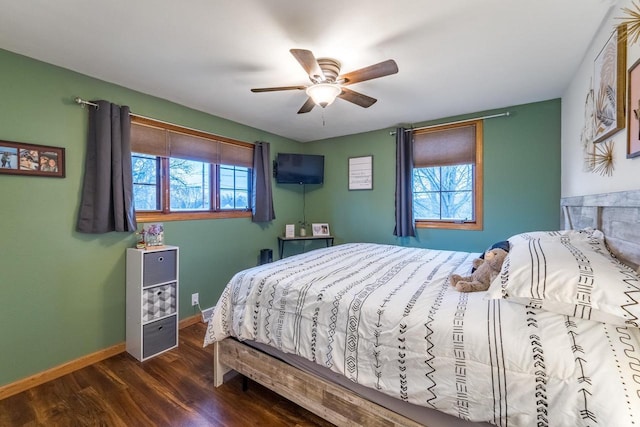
[309,63]
[307,106]
[274,89]
[374,71]
[357,98]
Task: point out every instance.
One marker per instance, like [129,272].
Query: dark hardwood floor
[173,389]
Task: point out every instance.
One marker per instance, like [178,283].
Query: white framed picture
[290,231]
[320,229]
[361,173]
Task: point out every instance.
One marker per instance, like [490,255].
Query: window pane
[242,178]
[145,168]
[457,178]
[234,187]
[457,206]
[145,197]
[426,205]
[426,179]
[443,193]
[226,177]
[242,199]
[189,185]
[227,200]
[145,182]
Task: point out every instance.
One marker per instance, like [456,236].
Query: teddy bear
[485,271]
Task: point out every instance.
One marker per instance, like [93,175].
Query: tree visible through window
[146,182]
[189,184]
[447,176]
[181,173]
[443,193]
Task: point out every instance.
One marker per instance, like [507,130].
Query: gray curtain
[262,193]
[107,192]
[404,176]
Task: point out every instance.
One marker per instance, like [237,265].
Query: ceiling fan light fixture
[323,94]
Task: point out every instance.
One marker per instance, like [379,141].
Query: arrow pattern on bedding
[387,318]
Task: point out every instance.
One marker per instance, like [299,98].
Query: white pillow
[583,234]
[569,273]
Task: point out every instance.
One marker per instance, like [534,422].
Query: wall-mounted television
[289,168]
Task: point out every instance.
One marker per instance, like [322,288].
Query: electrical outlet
[195,299]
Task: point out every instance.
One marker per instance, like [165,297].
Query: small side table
[282,240]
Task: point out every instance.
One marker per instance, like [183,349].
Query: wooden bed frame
[616,214]
[334,403]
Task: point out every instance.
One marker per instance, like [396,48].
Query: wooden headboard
[617,215]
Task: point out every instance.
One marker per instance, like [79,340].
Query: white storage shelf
[152,301]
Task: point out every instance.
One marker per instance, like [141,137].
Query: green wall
[521,182]
[62,293]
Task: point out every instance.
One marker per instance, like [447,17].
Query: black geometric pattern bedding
[386,317]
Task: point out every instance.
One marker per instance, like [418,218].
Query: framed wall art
[633,111]
[32,160]
[361,173]
[609,86]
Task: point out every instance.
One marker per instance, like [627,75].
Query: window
[234,187]
[447,176]
[181,173]
[146,181]
[189,185]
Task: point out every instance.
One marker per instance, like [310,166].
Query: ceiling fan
[328,83]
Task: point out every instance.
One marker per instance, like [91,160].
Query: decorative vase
[303,232]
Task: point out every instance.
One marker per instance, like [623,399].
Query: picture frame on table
[290,231]
[17,158]
[609,85]
[320,229]
[633,111]
[153,235]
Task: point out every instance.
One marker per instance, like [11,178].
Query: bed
[367,334]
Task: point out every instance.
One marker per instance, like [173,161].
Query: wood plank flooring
[173,389]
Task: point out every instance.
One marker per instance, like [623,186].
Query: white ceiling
[454,56]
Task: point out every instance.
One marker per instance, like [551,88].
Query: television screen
[299,168]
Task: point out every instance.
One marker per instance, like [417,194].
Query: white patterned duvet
[387,318]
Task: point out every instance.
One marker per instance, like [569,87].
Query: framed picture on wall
[633,111]
[361,173]
[609,85]
[32,160]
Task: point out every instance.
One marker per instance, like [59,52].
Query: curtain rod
[492,116]
[83,102]
[220,138]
